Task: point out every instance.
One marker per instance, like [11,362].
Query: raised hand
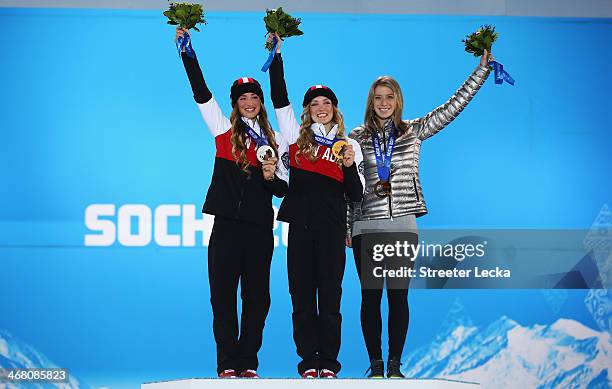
[278,39]
[180,32]
[486,58]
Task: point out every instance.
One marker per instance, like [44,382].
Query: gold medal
[382,188]
[338,148]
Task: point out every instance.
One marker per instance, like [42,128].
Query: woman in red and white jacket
[240,198]
[314,207]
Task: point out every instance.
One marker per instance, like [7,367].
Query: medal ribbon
[500,74]
[268,62]
[184,42]
[323,141]
[260,140]
[383,162]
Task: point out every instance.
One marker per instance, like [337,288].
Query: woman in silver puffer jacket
[392,201]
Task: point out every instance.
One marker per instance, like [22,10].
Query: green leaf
[476,42]
[274,24]
[186,15]
[278,21]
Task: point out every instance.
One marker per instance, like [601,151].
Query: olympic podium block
[297,383]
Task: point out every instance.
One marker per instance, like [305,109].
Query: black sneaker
[377,369]
[393,369]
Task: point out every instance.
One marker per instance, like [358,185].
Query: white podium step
[297,383]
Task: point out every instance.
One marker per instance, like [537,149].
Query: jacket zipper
[416,190]
[242,196]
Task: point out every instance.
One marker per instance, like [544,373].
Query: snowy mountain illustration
[16,354]
[565,354]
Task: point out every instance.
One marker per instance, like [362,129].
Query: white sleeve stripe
[214,118]
[289,126]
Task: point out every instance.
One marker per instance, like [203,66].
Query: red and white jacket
[232,192]
[317,190]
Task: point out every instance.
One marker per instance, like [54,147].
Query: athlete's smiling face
[321,110]
[249,105]
[384,102]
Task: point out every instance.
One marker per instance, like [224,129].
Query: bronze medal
[382,188]
[338,148]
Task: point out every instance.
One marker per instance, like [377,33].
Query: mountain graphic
[565,354]
[16,354]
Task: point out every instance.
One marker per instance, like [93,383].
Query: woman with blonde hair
[240,196]
[323,170]
[392,201]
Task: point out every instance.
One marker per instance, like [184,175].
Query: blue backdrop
[95,108]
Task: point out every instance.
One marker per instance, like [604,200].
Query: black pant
[315,264]
[371,297]
[239,251]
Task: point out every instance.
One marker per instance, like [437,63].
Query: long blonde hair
[370,122]
[306,142]
[239,135]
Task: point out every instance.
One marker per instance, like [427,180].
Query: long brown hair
[370,122]
[239,135]
[306,141]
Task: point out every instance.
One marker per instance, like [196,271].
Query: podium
[298,383]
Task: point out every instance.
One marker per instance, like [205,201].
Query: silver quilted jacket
[407,195]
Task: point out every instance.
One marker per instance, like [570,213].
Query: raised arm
[216,122]
[288,123]
[440,117]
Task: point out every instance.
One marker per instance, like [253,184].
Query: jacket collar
[253,123]
[319,129]
[388,126]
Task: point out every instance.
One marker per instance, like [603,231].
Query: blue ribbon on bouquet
[501,74]
[268,62]
[184,42]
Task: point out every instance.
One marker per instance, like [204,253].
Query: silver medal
[264,152]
